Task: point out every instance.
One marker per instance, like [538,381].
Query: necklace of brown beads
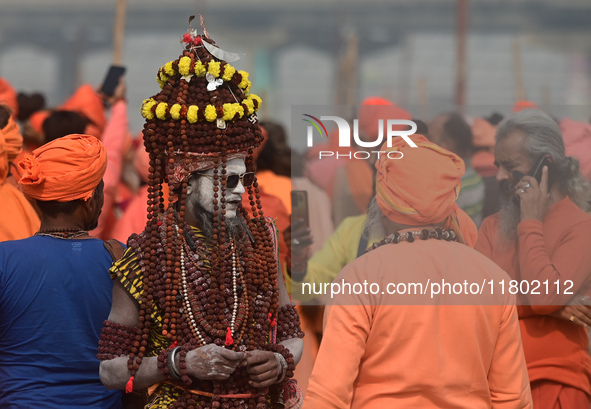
[194,287]
[410,236]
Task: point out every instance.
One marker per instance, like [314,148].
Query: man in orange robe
[416,351]
[542,235]
[18,219]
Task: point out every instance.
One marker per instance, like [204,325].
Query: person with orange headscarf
[56,288]
[352,186]
[8,96]
[18,219]
[385,350]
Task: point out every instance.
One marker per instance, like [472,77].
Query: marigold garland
[210,113]
[161,110]
[191,114]
[153,109]
[186,67]
[175,113]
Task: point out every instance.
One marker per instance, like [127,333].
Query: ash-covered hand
[212,362]
[262,367]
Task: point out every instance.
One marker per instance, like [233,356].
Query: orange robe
[134,218]
[279,185]
[272,207]
[114,138]
[557,249]
[377,355]
[18,219]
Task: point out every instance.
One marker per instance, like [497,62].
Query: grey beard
[510,216]
[234,226]
[373,226]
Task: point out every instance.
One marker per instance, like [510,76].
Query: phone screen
[112,79]
[299,206]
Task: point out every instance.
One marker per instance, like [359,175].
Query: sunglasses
[247,179]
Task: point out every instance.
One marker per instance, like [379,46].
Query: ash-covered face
[200,188]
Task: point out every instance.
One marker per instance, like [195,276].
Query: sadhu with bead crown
[200,314]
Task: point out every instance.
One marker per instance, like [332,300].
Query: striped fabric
[471,198]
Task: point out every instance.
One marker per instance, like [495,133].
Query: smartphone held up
[112,78]
[299,207]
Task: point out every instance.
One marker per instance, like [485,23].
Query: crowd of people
[165,270]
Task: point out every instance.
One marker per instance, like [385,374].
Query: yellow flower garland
[175,112]
[210,113]
[184,66]
[200,69]
[161,110]
[230,111]
[147,108]
[228,72]
[152,108]
[213,67]
[192,113]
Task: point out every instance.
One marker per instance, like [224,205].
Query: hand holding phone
[532,197]
[112,79]
[299,207]
[536,172]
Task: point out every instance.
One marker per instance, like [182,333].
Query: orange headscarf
[8,96]
[64,169]
[36,120]
[523,104]
[359,172]
[11,145]
[373,109]
[421,187]
[88,103]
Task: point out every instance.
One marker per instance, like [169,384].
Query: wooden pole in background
[518,71]
[462,31]
[352,69]
[119,32]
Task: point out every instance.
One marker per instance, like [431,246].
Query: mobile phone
[536,171]
[299,206]
[112,79]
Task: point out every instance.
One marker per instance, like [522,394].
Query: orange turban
[64,169]
[8,96]
[36,120]
[88,103]
[521,105]
[421,187]
[373,109]
[11,145]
